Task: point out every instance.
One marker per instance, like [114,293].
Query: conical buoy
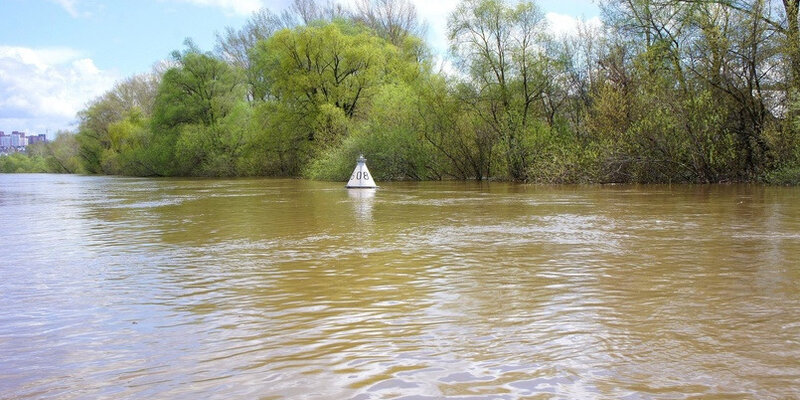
[361,178]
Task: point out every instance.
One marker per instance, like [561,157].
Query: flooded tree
[501,49]
[662,91]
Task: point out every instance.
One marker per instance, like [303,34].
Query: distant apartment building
[17,141]
[33,139]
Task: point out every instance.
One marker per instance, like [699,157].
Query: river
[261,288]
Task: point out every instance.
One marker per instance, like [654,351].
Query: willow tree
[501,49]
[321,76]
[197,116]
[99,143]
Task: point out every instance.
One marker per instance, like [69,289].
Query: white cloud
[43,89]
[561,25]
[69,6]
[434,14]
[241,7]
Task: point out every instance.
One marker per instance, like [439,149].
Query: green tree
[389,136]
[323,80]
[192,110]
[62,155]
[702,77]
[22,163]
[278,144]
[136,94]
[312,65]
[461,139]
[501,47]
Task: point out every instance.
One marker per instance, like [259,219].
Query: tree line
[663,91]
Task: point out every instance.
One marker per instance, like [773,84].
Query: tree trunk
[793,42]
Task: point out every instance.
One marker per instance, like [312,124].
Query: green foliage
[673,92]
[562,158]
[214,150]
[463,142]
[62,155]
[59,156]
[789,175]
[392,136]
[98,145]
[201,89]
[199,118]
[335,64]
[278,141]
[502,47]
[22,163]
[337,163]
[330,126]
[388,137]
[323,80]
[784,142]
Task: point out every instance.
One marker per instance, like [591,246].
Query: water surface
[257,288]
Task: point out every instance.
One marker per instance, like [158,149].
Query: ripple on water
[138,288]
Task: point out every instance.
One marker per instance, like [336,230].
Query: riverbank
[23,163]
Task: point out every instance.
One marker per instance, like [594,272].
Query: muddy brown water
[260,288]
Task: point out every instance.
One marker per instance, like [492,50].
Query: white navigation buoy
[361,178]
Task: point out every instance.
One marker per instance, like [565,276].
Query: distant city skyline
[17,141]
[47,75]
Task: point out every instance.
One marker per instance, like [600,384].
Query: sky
[56,56]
